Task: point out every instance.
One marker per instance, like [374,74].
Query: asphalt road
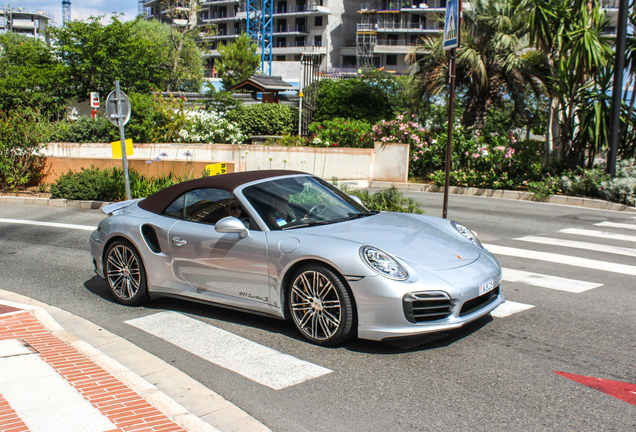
[495,375]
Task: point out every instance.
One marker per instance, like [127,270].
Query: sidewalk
[53,378]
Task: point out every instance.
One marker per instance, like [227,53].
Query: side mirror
[231,224]
[356,199]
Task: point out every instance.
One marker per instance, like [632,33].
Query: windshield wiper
[308,224]
[361,215]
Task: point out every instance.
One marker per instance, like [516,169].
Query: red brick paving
[123,407]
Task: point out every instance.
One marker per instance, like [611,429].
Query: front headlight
[467,233]
[383,263]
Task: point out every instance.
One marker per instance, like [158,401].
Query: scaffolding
[260,19]
[366,37]
[8,17]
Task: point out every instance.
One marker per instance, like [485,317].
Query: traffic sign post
[452,25]
[118,112]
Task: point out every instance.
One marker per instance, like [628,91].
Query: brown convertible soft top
[157,203]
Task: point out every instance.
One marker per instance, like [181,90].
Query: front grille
[478,302]
[427,306]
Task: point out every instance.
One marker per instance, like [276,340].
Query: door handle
[178,241]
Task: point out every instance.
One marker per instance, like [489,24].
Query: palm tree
[493,61]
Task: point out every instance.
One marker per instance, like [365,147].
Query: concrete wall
[383,163]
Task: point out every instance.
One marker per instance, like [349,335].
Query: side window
[210,205]
[175,209]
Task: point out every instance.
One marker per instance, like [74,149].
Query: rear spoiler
[114,207]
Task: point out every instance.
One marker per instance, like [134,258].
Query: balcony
[216,2]
[310,9]
[407,28]
[293,29]
[406,6]
[223,16]
[391,46]
[297,47]
[609,4]
[224,34]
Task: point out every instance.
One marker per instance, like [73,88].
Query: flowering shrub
[208,127]
[502,163]
[401,130]
[342,132]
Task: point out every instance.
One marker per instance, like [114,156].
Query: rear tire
[321,305]
[125,273]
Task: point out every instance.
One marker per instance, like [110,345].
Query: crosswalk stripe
[41,398]
[599,234]
[256,362]
[49,224]
[545,281]
[616,225]
[563,259]
[510,308]
[580,245]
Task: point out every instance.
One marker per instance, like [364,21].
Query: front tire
[125,273]
[321,306]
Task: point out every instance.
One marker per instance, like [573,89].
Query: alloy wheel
[315,305]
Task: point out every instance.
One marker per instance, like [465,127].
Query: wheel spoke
[325,326]
[112,261]
[314,325]
[129,289]
[300,293]
[326,289]
[332,319]
[306,318]
[314,286]
[330,304]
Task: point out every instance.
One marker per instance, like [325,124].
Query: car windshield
[297,202]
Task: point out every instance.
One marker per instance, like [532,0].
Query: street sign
[111,108]
[451,25]
[117,148]
[216,169]
[94,100]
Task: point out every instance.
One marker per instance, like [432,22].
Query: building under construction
[28,23]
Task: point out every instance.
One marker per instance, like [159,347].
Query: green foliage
[622,188]
[342,132]
[30,76]
[138,53]
[86,185]
[85,130]
[388,200]
[351,99]
[399,91]
[550,185]
[144,119]
[237,61]
[220,102]
[23,134]
[264,119]
[108,185]
[586,183]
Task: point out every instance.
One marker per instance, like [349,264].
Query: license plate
[485,287]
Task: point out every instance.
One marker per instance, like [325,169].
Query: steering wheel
[317,210]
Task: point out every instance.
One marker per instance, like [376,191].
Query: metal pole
[449,145]
[300,92]
[617,88]
[122,137]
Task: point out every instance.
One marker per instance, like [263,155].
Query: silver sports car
[290,245]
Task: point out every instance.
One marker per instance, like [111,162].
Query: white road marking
[509,308]
[256,362]
[580,245]
[44,400]
[49,224]
[616,225]
[545,281]
[563,259]
[599,234]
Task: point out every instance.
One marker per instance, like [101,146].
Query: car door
[218,264]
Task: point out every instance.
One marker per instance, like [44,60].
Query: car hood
[411,238]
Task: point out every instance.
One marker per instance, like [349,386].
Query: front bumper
[97,245]
[381,302]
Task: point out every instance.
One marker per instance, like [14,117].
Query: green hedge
[265,119]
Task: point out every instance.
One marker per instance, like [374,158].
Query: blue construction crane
[260,19]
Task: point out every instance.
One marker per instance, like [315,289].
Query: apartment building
[347,34]
[28,23]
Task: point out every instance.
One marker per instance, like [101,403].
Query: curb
[95,205]
[507,194]
[220,415]
[143,388]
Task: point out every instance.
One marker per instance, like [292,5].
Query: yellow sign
[215,169]
[300,94]
[116,145]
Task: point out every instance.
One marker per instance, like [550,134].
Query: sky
[80,9]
